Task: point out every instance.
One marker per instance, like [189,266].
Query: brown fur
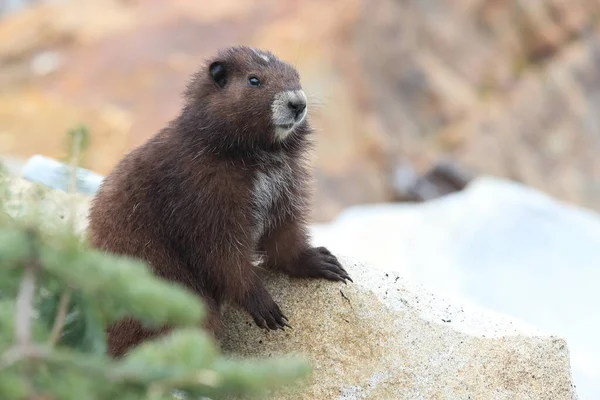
[183,201]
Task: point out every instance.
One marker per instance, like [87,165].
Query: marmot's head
[249,98]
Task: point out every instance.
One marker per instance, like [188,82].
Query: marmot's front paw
[318,262]
[265,312]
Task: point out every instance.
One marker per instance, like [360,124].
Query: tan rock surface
[55,204]
[382,338]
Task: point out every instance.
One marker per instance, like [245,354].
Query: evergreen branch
[61,315]
[65,298]
[18,353]
[25,306]
[7,214]
[77,139]
[204,377]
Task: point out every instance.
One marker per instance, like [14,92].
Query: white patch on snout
[281,114]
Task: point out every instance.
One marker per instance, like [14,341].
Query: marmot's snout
[297,108]
[289,110]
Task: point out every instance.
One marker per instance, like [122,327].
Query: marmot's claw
[318,262]
[265,312]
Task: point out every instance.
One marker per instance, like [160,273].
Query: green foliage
[57,295]
[78,142]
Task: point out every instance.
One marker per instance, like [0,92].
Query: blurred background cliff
[503,87]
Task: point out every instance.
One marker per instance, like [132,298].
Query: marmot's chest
[273,197]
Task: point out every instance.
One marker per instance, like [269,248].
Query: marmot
[222,183]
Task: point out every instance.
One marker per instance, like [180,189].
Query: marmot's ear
[218,73]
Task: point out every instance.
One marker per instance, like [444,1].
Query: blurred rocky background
[503,87]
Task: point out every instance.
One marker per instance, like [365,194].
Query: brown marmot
[223,183]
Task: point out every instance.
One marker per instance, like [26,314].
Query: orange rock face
[504,87]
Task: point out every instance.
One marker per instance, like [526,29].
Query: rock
[545,134]
[57,175]
[45,63]
[487,83]
[384,337]
[53,54]
[55,204]
[13,165]
[445,177]
[32,122]
[506,88]
[9,6]
[497,244]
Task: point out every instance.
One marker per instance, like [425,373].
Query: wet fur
[211,191]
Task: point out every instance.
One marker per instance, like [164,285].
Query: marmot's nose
[297,107]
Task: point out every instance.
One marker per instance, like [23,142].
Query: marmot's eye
[253,81]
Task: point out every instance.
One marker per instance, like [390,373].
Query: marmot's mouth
[286,126]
